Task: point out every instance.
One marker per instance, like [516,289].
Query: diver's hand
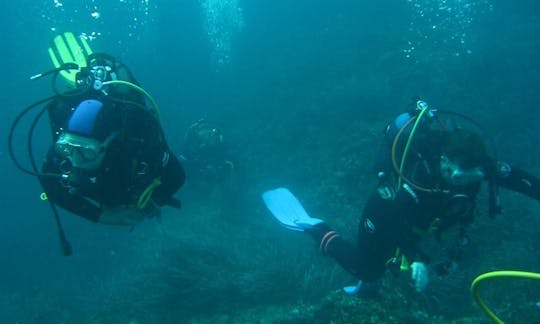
[419,275]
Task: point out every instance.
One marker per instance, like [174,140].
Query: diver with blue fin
[109,161]
[430,171]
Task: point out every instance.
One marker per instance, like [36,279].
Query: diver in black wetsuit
[430,171]
[109,161]
[426,190]
[109,149]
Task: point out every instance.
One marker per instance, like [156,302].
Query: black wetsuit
[399,221]
[136,157]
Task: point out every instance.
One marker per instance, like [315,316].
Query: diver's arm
[516,179]
[83,207]
[80,207]
[77,205]
[60,195]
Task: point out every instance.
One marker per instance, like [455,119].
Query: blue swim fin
[286,208]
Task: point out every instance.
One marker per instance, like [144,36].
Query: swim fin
[68,48]
[286,208]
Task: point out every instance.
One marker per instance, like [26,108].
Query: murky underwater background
[302,91]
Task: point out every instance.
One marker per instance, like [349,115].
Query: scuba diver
[205,154]
[108,162]
[430,171]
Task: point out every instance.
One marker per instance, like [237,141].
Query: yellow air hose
[145,197]
[141,90]
[493,275]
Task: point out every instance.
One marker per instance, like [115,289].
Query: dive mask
[82,152]
[455,175]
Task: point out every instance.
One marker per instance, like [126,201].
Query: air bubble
[452,21]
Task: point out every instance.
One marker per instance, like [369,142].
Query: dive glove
[419,275]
